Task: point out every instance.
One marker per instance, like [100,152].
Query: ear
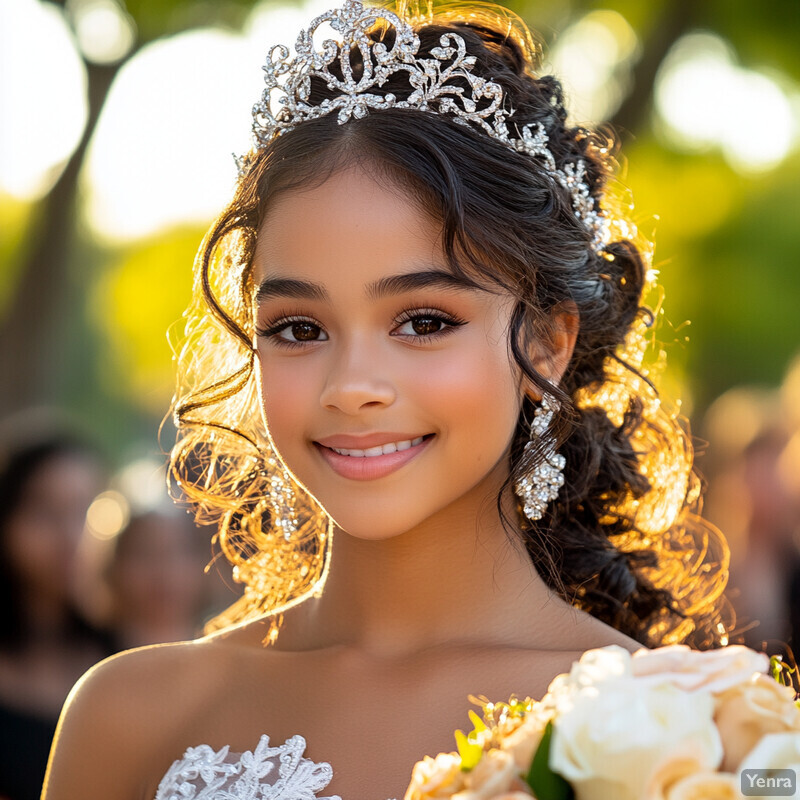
[551,356]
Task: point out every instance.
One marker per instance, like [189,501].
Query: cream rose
[747,712]
[612,737]
[522,742]
[706,786]
[693,670]
[682,762]
[514,796]
[435,777]
[491,776]
[774,751]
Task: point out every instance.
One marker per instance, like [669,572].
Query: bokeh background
[119,121]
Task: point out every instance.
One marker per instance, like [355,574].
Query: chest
[370,721]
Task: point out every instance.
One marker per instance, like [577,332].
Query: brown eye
[425,326]
[304,332]
[293,331]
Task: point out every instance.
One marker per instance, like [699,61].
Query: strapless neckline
[265,773]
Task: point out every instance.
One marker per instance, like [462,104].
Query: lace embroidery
[266,773]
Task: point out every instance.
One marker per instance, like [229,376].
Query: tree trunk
[676,18]
[36,327]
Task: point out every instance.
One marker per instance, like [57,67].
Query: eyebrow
[391,285]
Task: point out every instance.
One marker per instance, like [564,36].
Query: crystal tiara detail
[438,85]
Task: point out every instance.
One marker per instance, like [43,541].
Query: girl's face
[387,383]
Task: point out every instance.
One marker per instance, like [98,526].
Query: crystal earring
[541,484]
[281,498]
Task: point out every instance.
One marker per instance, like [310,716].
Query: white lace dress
[266,773]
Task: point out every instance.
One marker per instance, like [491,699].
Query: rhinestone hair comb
[437,83]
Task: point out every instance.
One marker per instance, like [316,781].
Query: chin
[373,529]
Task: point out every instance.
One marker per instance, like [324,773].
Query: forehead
[355,225]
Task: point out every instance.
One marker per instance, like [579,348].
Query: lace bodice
[266,773]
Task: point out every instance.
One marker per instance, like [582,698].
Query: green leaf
[546,784]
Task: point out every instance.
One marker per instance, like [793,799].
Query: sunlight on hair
[705,99]
[594,58]
[693,556]
[107,515]
[44,113]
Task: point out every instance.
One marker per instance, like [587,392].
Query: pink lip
[366,468]
[364,441]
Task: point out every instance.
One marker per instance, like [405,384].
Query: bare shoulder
[123,714]
[567,628]
[600,634]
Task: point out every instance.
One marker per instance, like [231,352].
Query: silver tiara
[437,83]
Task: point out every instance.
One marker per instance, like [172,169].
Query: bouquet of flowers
[665,724]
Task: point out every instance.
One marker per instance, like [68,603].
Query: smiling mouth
[381,450]
[375,462]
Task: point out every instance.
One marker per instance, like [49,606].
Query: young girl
[422,284]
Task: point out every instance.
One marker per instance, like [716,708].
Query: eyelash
[452,321]
[283,321]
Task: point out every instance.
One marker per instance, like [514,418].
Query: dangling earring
[540,486]
[281,498]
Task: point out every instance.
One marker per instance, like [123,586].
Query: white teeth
[381,450]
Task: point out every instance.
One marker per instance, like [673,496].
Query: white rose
[693,670]
[608,743]
[747,712]
[594,667]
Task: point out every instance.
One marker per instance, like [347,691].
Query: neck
[458,578]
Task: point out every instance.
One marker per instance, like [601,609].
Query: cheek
[287,392]
[475,383]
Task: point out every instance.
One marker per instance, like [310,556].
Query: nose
[356,381]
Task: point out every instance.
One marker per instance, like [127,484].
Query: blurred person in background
[47,483]
[158,590]
[753,495]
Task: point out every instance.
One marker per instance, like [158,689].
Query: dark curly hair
[623,540]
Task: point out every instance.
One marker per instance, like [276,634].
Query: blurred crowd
[88,568]
[752,467]
[85,572]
